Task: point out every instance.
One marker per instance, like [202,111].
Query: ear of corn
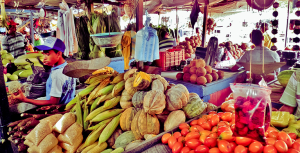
[78,114]
[103,70]
[88,90]
[109,129]
[94,104]
[118,150]
[97,78]
[107,114]
[69,107]
[105,90]
[102,85]
[85,113]
[98,148]
[99,124]
[107,105]
[118,88]
[90,147]
[107,150]
[118,78]
[93,136]
[106,97]
[72,103]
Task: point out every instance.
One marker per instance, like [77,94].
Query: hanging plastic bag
[227,63]
[252,110]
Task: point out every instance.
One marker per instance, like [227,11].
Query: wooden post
[139,26]
[31,28]
[204,23]
[90,7]
[287,24]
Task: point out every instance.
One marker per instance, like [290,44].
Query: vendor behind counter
[60,89]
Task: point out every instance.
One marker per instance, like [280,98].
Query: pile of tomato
[213,133]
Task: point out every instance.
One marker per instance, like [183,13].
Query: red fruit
[220,114]
[177,147]
[185,150]
[243,131]
[172,140]
[225,146]
[165,138]
[256,147]
[293,136]
[296,145]
[193,143]
[293,151]
[184,132]
[194,122]
[177,135]
[273,134]
[213,112]
[214,150]
[206,126]
[210,142]
[192,151]
[202,149]
[281,146]
[239,125]
[270,149]
[192,135]
[201,120]
[181,139]
[196,128]
[232,127]
[214,129]
[226,136]
[240,149]
[227,116]
[244,141]
[270,141]
[286,138]
[184,126]
[215,119]
[223,129]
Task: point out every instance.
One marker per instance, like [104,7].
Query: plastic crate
[169,58]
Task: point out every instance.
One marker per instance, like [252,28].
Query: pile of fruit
[198,72]
[19,68]
[234,49]
[190,45]
[18,130]
[213,133]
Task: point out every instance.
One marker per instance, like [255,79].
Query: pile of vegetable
[198,72]
[213,133]
[18,130]
[190,45]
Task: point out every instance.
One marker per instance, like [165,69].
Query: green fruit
[9,56]
[8,74]
[284,77]
[12,61]
[25,73]
[124,139]
[5,77]
[2,52]
[27,67]
[5,62]
[13,77]
[17,72]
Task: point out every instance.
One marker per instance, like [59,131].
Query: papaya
[284,77]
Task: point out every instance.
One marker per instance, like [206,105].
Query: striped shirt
[291,94]
[14,45]
[167,44]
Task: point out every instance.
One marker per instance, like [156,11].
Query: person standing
[264,27]
[14,42]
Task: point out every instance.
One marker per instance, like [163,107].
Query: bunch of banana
[293,126]
[95,108]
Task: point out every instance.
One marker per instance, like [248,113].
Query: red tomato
[240,149]
[223,129]
[185,150]
[213,135]
[214,150]
[196,128]
[232,127]
[177,147]
[220,114]
[192,135]
[225,146]
[184,126]
[201,120]
[194,122]
[293,136]
[270,149]
[244,141]
[172,140]
[193,143]
[213,112]
[202,149]
[256,147]
[192,151]
[286,138]
[273,134]
[206,126]
[232,144]
[177,135]
[210,142]
[209,116]
[227,116]
[296,145]
[297,140]
[181,139]
[281,146]
[293,151]
[270,141]
[226,136]
[185,131]
[215,119]
[223,123]
[165,138]
[203,135]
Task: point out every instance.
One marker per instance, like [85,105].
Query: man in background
[14,42]
[166,42]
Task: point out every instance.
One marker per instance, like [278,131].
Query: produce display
[213,133]
[235,50]
[198,72]
[18,130]
[190,45]
[20,67]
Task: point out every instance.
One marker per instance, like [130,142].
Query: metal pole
[204,23]
[31,28]
[287,23]
[139,26]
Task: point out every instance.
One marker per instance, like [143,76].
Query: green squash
[138,99]
[124,139]
[194,107]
